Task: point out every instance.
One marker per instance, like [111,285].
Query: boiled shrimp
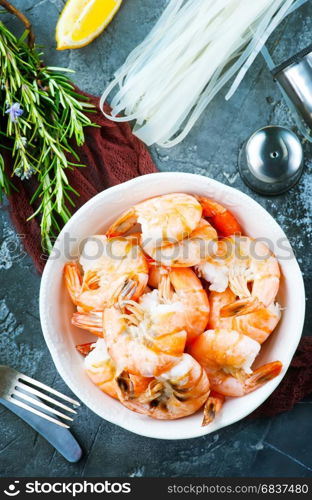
[173,232]
[110,268]
[168,217]
[247,266]
[225,349]
[176,393]
[101,369]
[244,316]
[144,338]
[188,290]
[227,357]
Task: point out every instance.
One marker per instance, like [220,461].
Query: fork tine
[41,395]
[36,412]
[36,402]
[25,378]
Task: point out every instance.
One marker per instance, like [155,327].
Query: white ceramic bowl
[93,218]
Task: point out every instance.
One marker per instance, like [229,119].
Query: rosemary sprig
[41,112]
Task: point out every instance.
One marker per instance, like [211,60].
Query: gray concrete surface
[279,446]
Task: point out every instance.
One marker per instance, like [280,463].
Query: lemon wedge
[83,20]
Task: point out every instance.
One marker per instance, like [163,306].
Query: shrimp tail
[262,375]
[124,291]
[125,385]
[134,389]
[221,219]
[123,224]
[241,308]
[73,280]
[212,407]
[91,281]
[165,288]
[91,321]
[85,349]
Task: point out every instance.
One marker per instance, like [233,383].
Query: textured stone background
[279,446]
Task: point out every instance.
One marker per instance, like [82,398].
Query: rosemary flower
[24,175]
[15,111]
[21,142]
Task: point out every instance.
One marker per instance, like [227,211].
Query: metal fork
[18,388]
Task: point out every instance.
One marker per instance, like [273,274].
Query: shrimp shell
[168,217]
[110,267]
[247,266]
[225,349]
[248,317]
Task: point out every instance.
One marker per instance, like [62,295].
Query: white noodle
[262,40]
[194,49]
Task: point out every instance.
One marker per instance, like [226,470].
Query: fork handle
[61,439]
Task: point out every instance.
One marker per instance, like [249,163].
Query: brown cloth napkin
[296,385]
[114,155]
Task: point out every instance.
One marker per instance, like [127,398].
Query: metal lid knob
[271,161]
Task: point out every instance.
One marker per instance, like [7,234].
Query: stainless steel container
[295,77]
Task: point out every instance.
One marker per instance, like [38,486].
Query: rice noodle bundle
[194,49]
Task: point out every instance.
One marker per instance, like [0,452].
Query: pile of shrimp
[181,307]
